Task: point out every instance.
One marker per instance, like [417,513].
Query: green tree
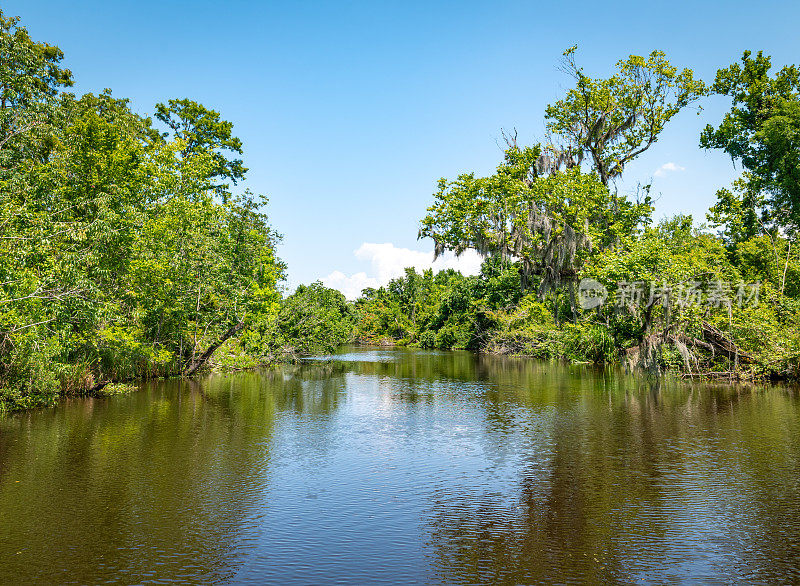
[118,257]
[202,131]
[311,320]
[30,79]
[550,221]
[539,207]
[762,133]
[614,120]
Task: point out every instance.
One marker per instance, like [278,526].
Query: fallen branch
[693,341]
[724,344]
[232,331]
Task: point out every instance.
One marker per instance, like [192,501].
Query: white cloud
[388,262]
[351,286]
[668,168]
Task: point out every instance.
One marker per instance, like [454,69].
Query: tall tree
[540,208]
[30,79]
[548,218]
[116,259]
[203,132]
[614,120]
[762,133]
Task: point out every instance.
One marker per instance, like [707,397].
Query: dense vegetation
[124,252]
[129,249]
[721,299]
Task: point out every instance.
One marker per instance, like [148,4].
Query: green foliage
[588,342]
[527,328]
[551,221]
[30,79]
[738,211]
[314,319]
[771,332]
[113,389]
[556,223]
[427,310]
[770,259]
[122,255]
[615,120]
[202,132]
[457,312]
[541,208]
[488,312]
[762,132]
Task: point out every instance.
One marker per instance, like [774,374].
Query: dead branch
[232,331]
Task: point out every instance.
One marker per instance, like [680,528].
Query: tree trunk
[724,344]
[196,364]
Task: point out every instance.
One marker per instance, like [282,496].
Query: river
[403,466]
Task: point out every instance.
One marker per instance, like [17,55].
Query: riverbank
[647,327]
[713,357]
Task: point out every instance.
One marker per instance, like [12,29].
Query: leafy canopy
[614,120]
[549,221]
[203,132]
[762,133]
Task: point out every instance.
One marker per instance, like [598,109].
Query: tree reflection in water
[406,466]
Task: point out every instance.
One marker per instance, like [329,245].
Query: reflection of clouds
[407,466]
[386,356]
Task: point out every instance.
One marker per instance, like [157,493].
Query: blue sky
[350,111]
